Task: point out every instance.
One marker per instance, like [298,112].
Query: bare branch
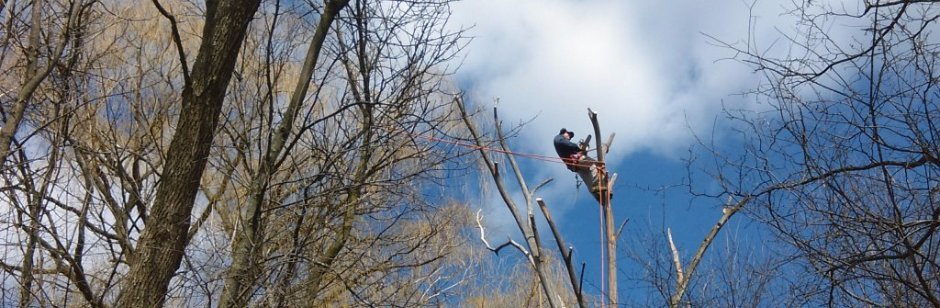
[622,224]
[509,242]
[174,30]
[565,254]
[675,257]
[726,215]
[545,182]
[527,227]
[603,196]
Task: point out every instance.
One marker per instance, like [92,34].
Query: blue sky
[653,76]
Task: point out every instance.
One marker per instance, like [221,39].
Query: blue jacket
[565,147]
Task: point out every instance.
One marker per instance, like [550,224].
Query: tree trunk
[611,253]
[604,198]
[162,242]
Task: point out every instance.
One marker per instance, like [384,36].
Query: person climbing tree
[569,152]
[576,159]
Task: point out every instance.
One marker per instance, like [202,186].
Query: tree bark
[608,214]
[162,242]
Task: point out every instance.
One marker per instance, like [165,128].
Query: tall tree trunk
[248,240]
[611,252]
[160,250]
[611,236]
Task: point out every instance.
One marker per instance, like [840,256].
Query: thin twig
[176,41]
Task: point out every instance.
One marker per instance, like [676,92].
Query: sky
[650,71]
[647,69]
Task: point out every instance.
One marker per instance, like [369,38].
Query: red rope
[600,216]
[604,198]
[551,159]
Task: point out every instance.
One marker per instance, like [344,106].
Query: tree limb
[509,242]
[174,30]
[565,254]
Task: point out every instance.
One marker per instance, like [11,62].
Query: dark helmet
[570,133]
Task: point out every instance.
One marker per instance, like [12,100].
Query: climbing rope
[603,264]
[551,159]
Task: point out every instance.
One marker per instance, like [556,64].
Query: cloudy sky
[646,67]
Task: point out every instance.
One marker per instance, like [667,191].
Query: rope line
[551,159]
[603,192]
[603,265]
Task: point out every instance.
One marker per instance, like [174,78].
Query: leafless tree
[841,160]
[348,162]
[160,248]
[36,55]
[536,256]
[248,239]
[37,134]
[148,172]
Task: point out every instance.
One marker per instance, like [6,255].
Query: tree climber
[576,159]
[569,152]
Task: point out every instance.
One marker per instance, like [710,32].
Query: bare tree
[842,165]
[38,179]
[87,188]
[536,257]
[349,169]
[160,249]
[331,197]
[39,48]
[248,239]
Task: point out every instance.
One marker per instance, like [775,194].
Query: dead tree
[533,246]
[603,196]
[683,276]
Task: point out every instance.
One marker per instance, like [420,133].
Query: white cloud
[644,66]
